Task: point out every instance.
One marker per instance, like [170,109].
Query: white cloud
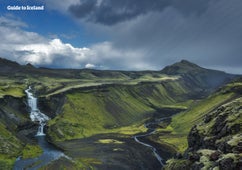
[46,53]
[90,65]
[208,34]
[4,21]
[29,47]
[111,57]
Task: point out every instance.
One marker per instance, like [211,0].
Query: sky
[123,34]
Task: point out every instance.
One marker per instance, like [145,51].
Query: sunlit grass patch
[31,151]
[109,141]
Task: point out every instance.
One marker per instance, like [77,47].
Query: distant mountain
[194,76]
[198,75]
[182,67]
[7,65]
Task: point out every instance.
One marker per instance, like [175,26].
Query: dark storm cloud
[109,12]
[209,34]
[138,35]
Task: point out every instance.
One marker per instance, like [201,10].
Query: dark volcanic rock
[195,140]
[214,156]
[227,164]
[194,157]
[216,142]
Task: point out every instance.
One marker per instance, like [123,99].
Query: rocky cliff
[215,142]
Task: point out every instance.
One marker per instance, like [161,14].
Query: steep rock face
[53,105]
[218,138]
[16,129]
[216,142]
[10,118]
[14,115]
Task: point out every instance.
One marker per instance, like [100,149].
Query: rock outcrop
[215,143]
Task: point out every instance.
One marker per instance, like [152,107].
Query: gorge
[97,117]
[50,153]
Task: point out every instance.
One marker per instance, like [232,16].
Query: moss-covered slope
[215,138]
[16,131]
[103,109]
[87,103]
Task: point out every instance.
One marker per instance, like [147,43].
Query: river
[50,153]
[150,132]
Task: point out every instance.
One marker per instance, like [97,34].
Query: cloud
[61,7]
[110,12]
[111,57]
[29,47]
[211,38]
[90,65]
[54,53]
[6,22]
[206,32]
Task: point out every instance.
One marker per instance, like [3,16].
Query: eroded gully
[50,153]
[150,132]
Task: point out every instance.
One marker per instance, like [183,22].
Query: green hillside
[104,109]
[206,127]
[175,134]
[15,131]
[95,110]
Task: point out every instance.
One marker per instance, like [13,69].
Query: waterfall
[41,130]
[35,114]
[50,153]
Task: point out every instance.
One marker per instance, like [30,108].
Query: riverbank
[108,151]
[116,150]
[50,153]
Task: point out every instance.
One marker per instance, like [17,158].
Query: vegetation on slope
[98,102]
[215,138]
[13,121]
[175,134]
[104,109]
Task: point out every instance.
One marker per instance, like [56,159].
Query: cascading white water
[35,114]
[50,153]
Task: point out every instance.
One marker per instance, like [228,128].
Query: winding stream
[50,153]
[150,132]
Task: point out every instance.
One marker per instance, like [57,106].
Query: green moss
[87,163]
[14,90]
[100,110]
[31,151]
[235,157]
[10,148]
[10,145]
[6,163]
[183,122]
[174,164]
[235,140]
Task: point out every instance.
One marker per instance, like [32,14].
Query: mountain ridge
[185,66]
[87,104]
[177,66]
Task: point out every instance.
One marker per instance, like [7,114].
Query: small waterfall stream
[35,114]
[150,132]
[50,153]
